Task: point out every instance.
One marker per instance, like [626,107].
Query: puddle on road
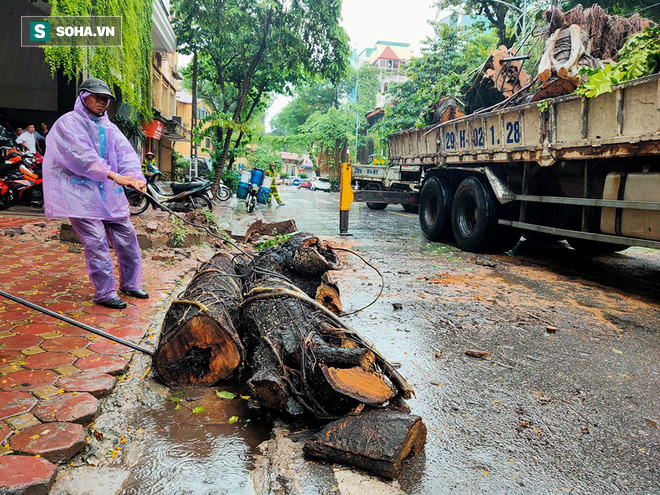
[201,453]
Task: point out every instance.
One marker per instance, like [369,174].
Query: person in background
[271,172]
[18,131]
[149,164]
[89,163]
[41,143]
[28,139]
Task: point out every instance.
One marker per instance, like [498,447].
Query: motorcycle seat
[179,187]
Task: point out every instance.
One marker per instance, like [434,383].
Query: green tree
[250,48]
[309,99]
[327,134]
[127,67]
[446,66]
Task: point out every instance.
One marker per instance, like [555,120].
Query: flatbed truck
[582,169]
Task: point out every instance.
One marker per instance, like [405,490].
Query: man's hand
[125,180]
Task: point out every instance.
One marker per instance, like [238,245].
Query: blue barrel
[242,190]
[257,176]
[262,197]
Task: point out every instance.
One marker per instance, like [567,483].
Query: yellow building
[165,130]
[184,110]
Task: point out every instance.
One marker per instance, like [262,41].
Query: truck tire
[595,248]
[375,206]
[474,217]
[435,209]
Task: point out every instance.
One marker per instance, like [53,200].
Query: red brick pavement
[51,372]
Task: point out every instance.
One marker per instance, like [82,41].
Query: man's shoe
[281,204]
[139,293]
[114,303]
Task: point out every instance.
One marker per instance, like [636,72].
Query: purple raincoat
[82,150]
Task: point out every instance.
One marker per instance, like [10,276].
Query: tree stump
[377,441]
[199,344]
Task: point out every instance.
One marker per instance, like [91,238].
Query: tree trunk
[199,344]
[377,441]
[303,259]
[241,101]
[286,328]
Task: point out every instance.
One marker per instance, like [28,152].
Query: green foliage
[230,179]
[446,66]
[328,132]
[225,395]
[127,67]
[316,97]
[262,156]
[278,240]
[639,57]
[179,232]
[248,49]
[302,175]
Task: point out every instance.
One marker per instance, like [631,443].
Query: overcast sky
[367,21]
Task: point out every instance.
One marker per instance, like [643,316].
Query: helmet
[149,153]
[96,86]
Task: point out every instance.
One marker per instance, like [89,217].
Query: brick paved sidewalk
[52,374]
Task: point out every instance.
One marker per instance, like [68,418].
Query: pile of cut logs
[275,318]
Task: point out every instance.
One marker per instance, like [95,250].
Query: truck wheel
[473,215]
[411,208]
[595,248]
[435,209]
[375,206]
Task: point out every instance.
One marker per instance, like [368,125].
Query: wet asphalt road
[567,401]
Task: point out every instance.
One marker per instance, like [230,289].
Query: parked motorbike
[254,187]
[187,196]
[223,193]
[21,179]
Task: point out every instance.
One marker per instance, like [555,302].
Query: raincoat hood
[82,151]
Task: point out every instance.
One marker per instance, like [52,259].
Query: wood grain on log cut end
[358,384]
[327,295]
[196,352]
[377,441]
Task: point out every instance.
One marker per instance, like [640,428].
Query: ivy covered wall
[127,67]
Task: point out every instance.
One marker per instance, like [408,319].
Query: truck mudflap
[388,197]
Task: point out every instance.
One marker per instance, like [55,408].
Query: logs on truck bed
[377,441]
[306,353]
[199,344]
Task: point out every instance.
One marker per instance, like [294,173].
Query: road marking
[402,214]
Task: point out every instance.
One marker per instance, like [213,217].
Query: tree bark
[377,441]
[286,328]
[199,344]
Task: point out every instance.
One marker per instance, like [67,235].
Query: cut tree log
[199,344]
[305,261]
[377,441]
[328,294]
[247,228]
[302,352]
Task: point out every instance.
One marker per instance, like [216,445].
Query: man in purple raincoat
[88,162]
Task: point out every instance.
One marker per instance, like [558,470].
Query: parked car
[296,182]
[321,184]
[305,184]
